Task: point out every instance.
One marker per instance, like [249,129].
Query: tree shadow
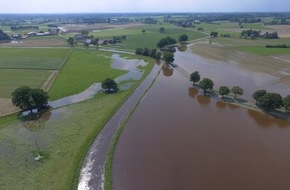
[192,92]
[266,119]
[35,121]
[167,71]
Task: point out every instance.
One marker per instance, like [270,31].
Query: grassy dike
[63,137]
[110,155]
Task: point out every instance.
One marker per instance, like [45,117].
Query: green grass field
[266,51]
[238,42]
[83,68]
[10,79]
[28,66]
[33,58]
[63,136]
[135,37]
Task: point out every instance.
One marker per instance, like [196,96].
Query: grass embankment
[83,68]
[110,155]
[63,136]
[30,67]
[150,38]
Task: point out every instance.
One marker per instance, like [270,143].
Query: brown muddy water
[179,139]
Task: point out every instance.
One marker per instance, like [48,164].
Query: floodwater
[130,65]
[179,139]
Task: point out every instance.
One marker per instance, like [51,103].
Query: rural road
[93,169]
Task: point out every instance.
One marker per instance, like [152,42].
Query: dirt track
[6,107]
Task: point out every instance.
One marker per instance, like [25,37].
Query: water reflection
[192,92]
[38,122]
[203,100]
[264,120]
[166,70]
[174,142]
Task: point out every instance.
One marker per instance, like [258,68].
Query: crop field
[135,37]
[83,68]
[62,135]
[238,42]
[26,67]
[10,79]
[266,51]
[33,58]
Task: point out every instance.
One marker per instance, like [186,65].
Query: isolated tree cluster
[27,98]
[147,52]
[271,101]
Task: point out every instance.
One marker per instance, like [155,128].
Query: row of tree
[264,99]
[271,101]
[207,84]
[24,27]
[147,52]
[257,34]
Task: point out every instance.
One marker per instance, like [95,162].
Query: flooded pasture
[134,73]
[179,139]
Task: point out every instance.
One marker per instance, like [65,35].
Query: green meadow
[63,135]
[266,51]
[82,69]
[28,66]
[33,58]
[10,79]
[149,39]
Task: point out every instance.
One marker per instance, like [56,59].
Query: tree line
[264,100]
[24,27]
[252,34]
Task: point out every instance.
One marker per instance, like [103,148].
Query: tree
[109,85]
[195,77]
[28,99]
[258,94]
[183,38]
[168,57]
[139,51]
[224,90]
[213,34]
[286,103]
[71,41]
[162,30]
[271,101]
[143,31]
[236,90]
[84,32]
[165,42]
[206,84]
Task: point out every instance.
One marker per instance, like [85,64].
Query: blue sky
[108,6]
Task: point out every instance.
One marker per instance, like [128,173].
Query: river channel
[179,139]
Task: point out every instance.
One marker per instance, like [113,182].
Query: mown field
[63,136]
[31,67]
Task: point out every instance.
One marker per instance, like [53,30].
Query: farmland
[64,135]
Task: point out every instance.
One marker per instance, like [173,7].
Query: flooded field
[179,139]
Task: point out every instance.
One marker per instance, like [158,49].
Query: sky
[124,6]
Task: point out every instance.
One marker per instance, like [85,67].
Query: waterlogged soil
[180,139]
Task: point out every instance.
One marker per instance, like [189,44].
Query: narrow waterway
[179,139]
